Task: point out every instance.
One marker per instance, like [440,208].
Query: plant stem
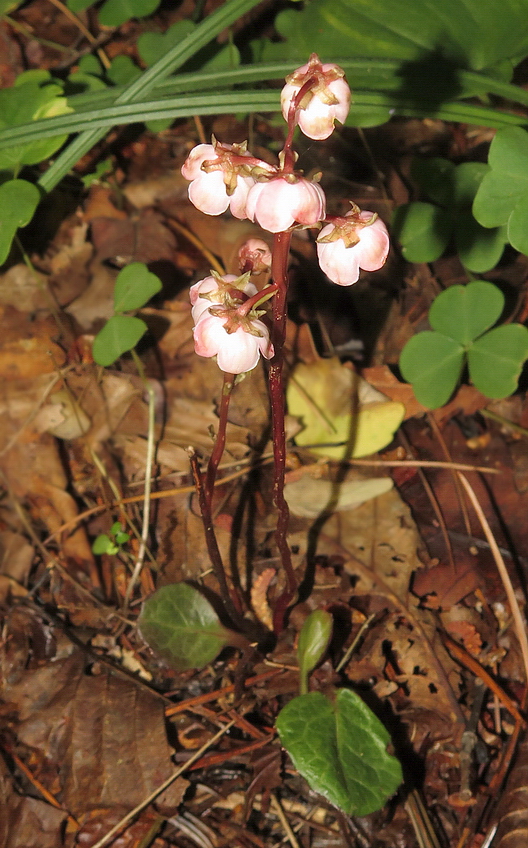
[231,601]
[279,273]
[219,445]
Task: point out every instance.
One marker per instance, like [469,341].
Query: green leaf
[102,544]
[314,639]
[18,202]
[120,334]
[134,287]
[467,179]
[518,225]
[436,178]
[123,70]
[151,45]
[433,364]
[79,5]
[479,248]
[423,231]
[465,312]
[116,12]
[496,359]
[503,194]
[180,624]
[340,747]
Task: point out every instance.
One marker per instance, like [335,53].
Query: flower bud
[219,178]
[286,200]
[358,241]
[237,342]
[325,98]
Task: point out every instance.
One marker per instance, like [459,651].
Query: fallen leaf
[308,497]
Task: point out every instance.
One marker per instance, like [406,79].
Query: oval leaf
[432,363]
[340,749]
[119,334]
[134,286]
[479,248]
[180,625]
[495,361]
[465,312]
[423,231]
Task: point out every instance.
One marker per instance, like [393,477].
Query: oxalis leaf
[339,747]
[180,624]
[18,201]
[464,312]
[134,286]
[495,360]
[119,334]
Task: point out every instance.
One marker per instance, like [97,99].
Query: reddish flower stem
[279,273]
[219,445]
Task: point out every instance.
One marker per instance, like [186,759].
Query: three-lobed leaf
[465,312]
[496,359]
[433,364]
[340,748]
[180,625]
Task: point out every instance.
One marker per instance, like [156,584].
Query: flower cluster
[278,198]
[225,324]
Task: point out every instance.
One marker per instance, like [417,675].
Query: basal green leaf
[518,225]
[120,334]
[435,177]
[116,12]
[433,364]
[180,624]
[479,248]
[467,179]
[314,639]
[18,202]
[464,312]
[497,197]
[508,152]
[496,359]
[503,192]
[423,231]
[134,287]
[340,748]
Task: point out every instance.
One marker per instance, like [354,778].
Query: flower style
[236,341]
[358,241]
[221,176]
[256,255]
[217,291]
[324,98]
[285,200]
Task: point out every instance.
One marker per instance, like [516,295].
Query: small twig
[148,800]
[520,627]
[198,243]
[148,476]
[219,444]
[276,804]
[105,61]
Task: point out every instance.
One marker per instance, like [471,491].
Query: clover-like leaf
[465,312]
[134,286]
[340,748]
[496,359]
[180,625]
[18,202]
[479,248]
[115,12]
[314,639]
[120,334]
[433,364]
[423,231]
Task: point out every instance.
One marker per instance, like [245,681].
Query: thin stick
[276,804]
[105,61]
[148,800]
[520,627]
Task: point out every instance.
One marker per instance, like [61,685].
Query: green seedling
[180,625]
[134,287]
[433,361]
[314,639]
[425,230]
[111,544]
[502,198]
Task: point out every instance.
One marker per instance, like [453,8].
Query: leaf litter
[85,739]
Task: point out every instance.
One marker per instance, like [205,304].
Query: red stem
[279,272]
[219,445]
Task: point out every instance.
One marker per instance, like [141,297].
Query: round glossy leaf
[340,748]
[134,286]
[432,363]
[465,312]
[495,360]
[180,625]
[120,334]
[479,248]
[423,231]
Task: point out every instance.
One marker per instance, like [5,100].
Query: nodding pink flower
[236,341]
[220,177]
[286,200]
[218,291]
[325,98]
[255,255]
[358,241]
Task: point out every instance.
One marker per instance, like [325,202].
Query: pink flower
[237,348]
[285,200]
[219,291]
[219,178]
[325,98]
[255,255]
[358,241]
